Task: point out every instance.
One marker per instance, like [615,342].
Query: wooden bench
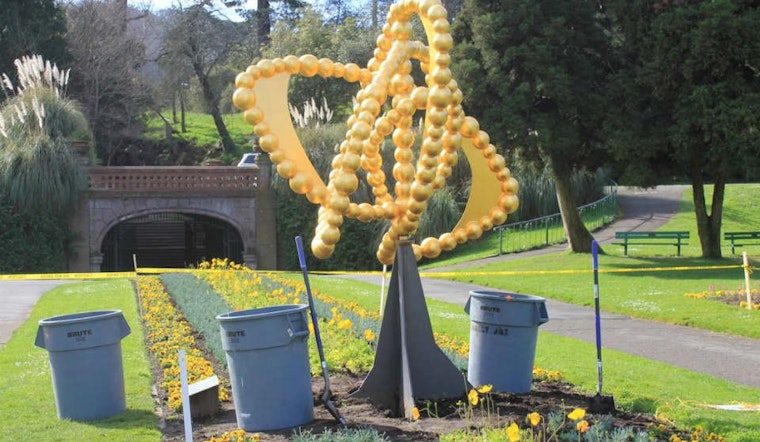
[736,237]
[643,238]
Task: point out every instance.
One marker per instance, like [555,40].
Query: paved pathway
[725,356]
[16,301]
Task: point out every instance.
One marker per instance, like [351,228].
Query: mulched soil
[546,397]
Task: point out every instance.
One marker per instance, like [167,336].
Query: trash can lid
[78,331]
[262,312]
[494,295]
[73,318]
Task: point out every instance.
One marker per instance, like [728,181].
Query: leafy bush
[32,243]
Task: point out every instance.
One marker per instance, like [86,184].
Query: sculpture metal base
[408,363]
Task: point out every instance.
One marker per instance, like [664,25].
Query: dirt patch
[546,397]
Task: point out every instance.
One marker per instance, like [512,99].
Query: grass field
[27,403]
[27,409]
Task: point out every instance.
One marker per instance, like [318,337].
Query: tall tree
[107,57]
[346,42]
[205,42]
[31,27]
[690,90]
[534,74]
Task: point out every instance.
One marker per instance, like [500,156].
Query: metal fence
[547,230]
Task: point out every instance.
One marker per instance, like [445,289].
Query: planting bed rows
[180,310]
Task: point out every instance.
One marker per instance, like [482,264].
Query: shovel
[599,403]
[327,393]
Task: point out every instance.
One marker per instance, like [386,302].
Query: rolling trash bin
[85,361]
[268,360]
[503,332]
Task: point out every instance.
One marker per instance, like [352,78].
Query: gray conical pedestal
[408,363]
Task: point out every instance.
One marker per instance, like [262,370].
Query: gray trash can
[503,332]
[268,359]
[85,361]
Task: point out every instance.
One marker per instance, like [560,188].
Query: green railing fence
[547,230]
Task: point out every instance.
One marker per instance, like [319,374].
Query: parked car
[248,160]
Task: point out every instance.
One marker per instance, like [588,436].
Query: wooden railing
[173,181]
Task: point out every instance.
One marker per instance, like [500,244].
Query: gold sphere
[417,250]
[326,67]
[339,203]
[496,163]
[498,216]
[243,98]
[287,169]
[470,127]
[301,182]
[486,223]
[320,249]
[353,73]
[448,242]
[244,79]
[253,116]
[292,64]
[473,230]
[481,140]
[309,65]
[443,42]
[441,26]
[279,65]
[316,195]
[431,247]
[437,12]
[460,235]
[267,68]
[269,143]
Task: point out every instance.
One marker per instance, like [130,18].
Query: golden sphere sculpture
[262,96]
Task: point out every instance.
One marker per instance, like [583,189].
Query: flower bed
[732,297]
[552,412]
[167,331]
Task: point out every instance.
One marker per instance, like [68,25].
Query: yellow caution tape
[98,275]
[158,271]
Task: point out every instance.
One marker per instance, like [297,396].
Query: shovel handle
[301,256]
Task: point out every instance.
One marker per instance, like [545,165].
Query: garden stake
[600,403]
[327,393]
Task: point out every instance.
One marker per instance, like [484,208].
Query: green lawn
[201,129]
[27,403]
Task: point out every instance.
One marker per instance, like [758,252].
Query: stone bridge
[174,217]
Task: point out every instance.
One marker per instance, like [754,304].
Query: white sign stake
[382,288]
[747,271]
[185,397]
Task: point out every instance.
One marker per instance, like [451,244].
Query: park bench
[739,239]
[652,238]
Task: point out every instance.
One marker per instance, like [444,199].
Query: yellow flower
[472,396]
[485,389]
[581,426]
[577,414]
[513,432]
[415,414]
[534,419]
[369,335]
[344,324]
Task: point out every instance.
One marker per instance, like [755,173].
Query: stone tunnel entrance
[170,240]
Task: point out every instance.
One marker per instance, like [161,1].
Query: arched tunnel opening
[169,240]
